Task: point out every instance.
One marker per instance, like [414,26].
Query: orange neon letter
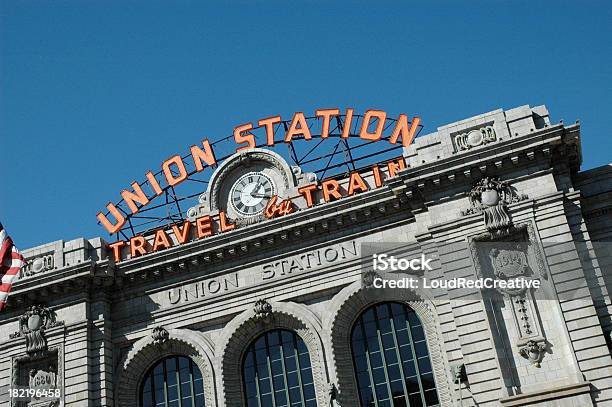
[224,224]
[204,226]
[182,235]
[331,189]
[356,184]
[131,198]
[298,118]
[326,114]
[269,123]
[154,183]
[380,125]
[120,220]
[248,138]
[377,176]
[137,246]
[402,130]
[306,192]
[170,178]
[395,166]
[161,240]
[348,121]
[205,155]
[116,248]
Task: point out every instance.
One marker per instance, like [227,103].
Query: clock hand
[261,196]
[255,189]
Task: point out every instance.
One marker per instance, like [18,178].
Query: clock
[243,184]
[250,193]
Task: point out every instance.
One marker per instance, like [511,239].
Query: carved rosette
[490,196]
[263,310]
[32,326]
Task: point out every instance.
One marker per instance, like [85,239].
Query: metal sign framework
[328,157]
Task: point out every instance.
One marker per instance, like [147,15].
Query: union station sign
[255,183]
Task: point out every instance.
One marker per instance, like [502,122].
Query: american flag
[11,262]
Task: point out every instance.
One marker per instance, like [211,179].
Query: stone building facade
[98,329]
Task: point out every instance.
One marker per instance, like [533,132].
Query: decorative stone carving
[519,256]
[368,277]
[38,372]
[458,373]
[38,265]
[159,335]
[262,309]
[332,394]
[490,196]
[534,351]
[32,325]
[303,177]
[43,379]
[509,263]
[475,138]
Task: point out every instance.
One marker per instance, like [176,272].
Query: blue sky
[92,94]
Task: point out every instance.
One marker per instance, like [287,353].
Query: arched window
[276,371]
[391,358]
[173,382]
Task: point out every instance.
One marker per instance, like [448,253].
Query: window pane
[282,362]
[391,358]
[170,382]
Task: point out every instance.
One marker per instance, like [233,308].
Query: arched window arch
[391,358]
[276,371]
[175,381]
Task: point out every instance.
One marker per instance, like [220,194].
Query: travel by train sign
[256,192]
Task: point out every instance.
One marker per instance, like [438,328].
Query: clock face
[250,193]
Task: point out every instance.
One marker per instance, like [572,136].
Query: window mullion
[191,383]
[299,369]
[178,379]
[400,362]
[165,382]
[282,360]
[153,389]
[257,392]
[270,370]
[370,373]
[382,352]
[416,360]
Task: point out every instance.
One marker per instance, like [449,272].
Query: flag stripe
[11,262]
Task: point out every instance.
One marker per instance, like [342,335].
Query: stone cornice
[499,158]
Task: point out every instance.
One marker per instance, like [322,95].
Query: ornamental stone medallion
[474,138]
[490,196]
[32,326]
